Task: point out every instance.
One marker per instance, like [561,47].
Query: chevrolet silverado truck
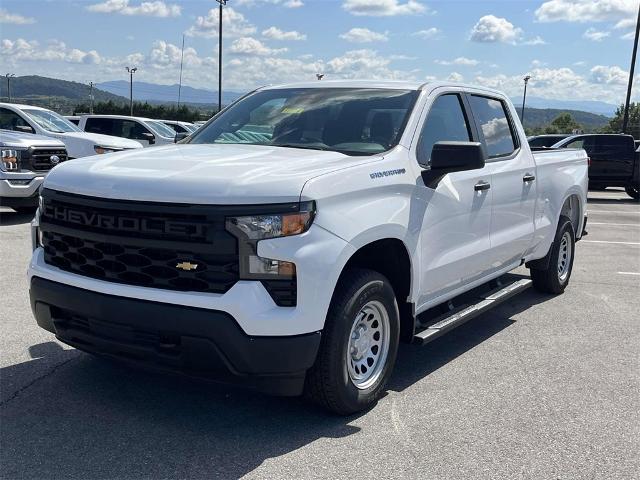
[24,162]
[291,242]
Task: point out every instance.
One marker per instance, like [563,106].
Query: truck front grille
[40,159]
[173,247]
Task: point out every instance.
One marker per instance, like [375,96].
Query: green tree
[633,127]
[161,112]
[563,123]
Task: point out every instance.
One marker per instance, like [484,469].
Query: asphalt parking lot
[542,387]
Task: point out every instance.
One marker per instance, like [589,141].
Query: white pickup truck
[36,120]
[297,237]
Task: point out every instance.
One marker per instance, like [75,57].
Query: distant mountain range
[592,106]
[62,96]
[167,93]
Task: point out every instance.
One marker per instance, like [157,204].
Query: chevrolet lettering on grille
[123,223]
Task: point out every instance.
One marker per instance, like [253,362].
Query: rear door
[513,182]
[615,153]
[456,215]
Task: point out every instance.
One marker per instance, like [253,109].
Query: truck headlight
[10,160]
[99,149]
[252,228]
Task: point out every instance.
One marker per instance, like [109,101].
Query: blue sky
[573,49]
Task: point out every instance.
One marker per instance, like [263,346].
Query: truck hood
[25,140]
[98,139]
[202,174]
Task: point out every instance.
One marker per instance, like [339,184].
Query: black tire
[328,382]
[633,192]
[26,210]
[549,279]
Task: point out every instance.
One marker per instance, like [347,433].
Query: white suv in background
[144,130]
[37,120]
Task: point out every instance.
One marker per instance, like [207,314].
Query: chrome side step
[463,314]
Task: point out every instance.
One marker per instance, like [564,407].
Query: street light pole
[181,62]
[524,98]
[221,2]
[9,77]
[91,98]
[625,121]
[131,72]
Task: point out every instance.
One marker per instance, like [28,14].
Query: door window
[104,126]
[446,121]
[9,120]
[491,116]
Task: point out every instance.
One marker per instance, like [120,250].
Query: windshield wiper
[300,145]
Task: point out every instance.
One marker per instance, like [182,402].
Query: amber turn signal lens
[295,223]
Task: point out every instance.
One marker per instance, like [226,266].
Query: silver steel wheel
[368,345]
[564,257]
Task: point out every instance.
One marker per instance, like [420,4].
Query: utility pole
[625,120]
[221,2]
[181,62]
[524,98]
[9,77]
[131,72]
[91,98]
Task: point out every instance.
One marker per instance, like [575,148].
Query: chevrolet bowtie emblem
[187,266]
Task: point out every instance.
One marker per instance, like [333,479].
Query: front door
[454,238]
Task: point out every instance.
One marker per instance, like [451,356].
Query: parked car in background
[545,141]
[24,162]
[75,119]
[181,127]
[313,226]
[41,121]
[614,162]
[144,130]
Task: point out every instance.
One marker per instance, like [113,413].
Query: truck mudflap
[171,338]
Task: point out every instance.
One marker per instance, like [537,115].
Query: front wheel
[359,344]
[633,192]
[555,277]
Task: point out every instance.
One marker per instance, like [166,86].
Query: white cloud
[455,77]
[251,46]
[235,24]
[595,35]
[628,24]
[537,40]
[284,3]
[490,29]
[585,10]
[154,8]
[609,75]
[164,54]
[275,33]
[364,35]
[426,34]
[383,8]
[24,50]
[14,18]
[467,62]
[364,63]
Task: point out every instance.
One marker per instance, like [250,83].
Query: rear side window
[491,116]
[9,120]
[100,125]
[445,121]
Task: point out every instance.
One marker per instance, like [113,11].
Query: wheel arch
[573,209]
[389,257]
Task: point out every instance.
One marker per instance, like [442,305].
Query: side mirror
[150,137]
[180,136]
[23,129]
[449,157]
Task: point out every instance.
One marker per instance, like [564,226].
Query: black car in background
[545,141]
[614,160]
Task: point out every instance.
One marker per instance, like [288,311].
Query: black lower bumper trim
[11,202]
[161,336]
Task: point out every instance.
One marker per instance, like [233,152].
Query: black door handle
[480,186]
[528,178]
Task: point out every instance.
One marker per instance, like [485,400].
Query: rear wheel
[555,277]
[633,192]
[359,344]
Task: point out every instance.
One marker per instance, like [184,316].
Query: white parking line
[629,273]
[617,224]
[605,241]
[613,211]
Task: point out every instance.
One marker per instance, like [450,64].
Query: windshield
[354,121]
[51,121]
[161,129]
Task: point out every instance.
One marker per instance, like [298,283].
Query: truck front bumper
[20,190]
[174,338]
